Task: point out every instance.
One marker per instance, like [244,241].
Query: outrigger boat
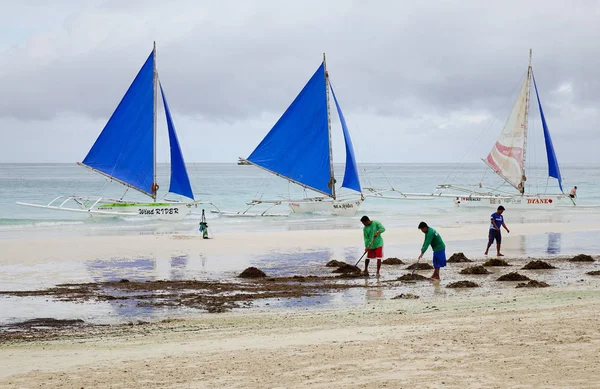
[125,152]
[298,148]
[507,160]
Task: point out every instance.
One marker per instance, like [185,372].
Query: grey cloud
[227,62]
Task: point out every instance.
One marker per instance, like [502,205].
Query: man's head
[500,210]
[575,187]
[365,220]
[423,227]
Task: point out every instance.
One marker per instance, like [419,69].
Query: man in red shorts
[372,231]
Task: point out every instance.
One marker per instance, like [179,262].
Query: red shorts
[375,253]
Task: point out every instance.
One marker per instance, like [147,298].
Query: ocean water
[230,186]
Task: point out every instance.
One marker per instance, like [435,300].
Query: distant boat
[507,160]
[298,148]
[125,152]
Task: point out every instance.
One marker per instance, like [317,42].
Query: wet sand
[38,250]
[522,338]
[492,336]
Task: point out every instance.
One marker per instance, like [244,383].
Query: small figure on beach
[573,193]
[437,245]
[497,221]
[372,231]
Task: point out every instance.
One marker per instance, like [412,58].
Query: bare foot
[485,253]
[434,279]
[500,255]
[377,275]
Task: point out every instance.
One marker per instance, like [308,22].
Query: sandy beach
[542,338]
[501,337]
[40,250]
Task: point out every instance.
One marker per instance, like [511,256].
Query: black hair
[364,219]
[501,208]
[422,225]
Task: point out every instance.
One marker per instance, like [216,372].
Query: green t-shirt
[434,239]
[369,232]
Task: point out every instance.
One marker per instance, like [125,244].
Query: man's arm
[427,242]
[380,228]
[506,228]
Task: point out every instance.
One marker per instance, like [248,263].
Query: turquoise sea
[230,186]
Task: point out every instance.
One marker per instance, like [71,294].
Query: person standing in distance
[573,193]
[495,232]
[437,245]
[372,231]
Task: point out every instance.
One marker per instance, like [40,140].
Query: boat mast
[331,173]
[154,184]
[526,120]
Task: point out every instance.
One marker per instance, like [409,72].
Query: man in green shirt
[437,245]
[372,231]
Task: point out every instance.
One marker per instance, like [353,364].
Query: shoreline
[26,250]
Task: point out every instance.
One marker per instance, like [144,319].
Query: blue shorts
[494,235]
[439,259]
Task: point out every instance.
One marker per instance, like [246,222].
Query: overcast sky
[418,81]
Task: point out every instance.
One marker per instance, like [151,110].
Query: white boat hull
[533,202]
[327,206]
[167,210]
[164,211]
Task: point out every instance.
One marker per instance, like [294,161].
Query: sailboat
[298,148]
[125,152]
[507,160]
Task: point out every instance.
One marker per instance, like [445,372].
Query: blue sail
[553,169]
[351,180]
[297,147]
[180,182]
[125,148]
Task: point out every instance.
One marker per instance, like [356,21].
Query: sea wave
[14,224]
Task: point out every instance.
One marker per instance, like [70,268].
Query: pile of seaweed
[594,273]
[463,284]
[533,284]
[407,296]
[415,277]
[475,270]
[392,261]
[458,258]
[535,265]
[346,268]
[352,275]
[582,258]
[334,263]
[513,276]
[251,272]
[420,266]
[496,262]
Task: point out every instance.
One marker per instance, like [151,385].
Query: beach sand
[28,251]
[509,338]
[534,339]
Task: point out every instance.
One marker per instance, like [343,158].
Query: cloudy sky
[427,81]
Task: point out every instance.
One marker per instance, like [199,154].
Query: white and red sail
[507,157]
